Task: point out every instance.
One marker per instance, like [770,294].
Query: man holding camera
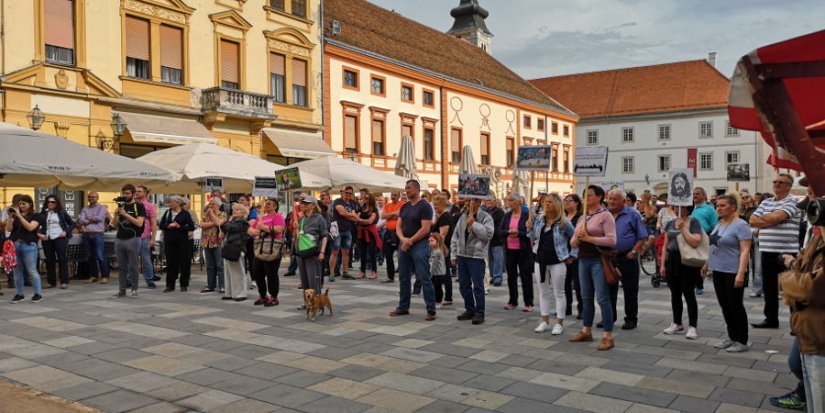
[130,217]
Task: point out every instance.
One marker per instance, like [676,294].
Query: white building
[657,117]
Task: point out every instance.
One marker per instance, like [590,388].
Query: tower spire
[470,24]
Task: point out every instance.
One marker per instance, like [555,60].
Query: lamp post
[36,117]
[118,128]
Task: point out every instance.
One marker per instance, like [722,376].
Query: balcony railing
[237,103]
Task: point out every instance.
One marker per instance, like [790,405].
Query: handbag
[612,274]
[231,252]
[694,257]
[267,248]
[307,245]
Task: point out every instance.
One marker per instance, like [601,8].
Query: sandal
[374,276]
[361,276]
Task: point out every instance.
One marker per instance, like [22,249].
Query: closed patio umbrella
[468,163]
[30,158]
[405,163]
[521,182]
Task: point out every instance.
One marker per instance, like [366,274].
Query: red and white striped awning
[779,90]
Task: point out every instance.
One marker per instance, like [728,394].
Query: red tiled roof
[667,87]
[391,35]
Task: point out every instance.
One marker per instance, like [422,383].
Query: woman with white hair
[176,224]
[213,217]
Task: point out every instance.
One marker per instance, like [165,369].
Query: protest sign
[680,188]
[474,186]
[739,172]
[214,183]
[536,158]
[590,161]
[265,186]
[288,179]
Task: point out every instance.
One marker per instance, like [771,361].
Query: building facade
[387,77]
[659,117]
[245,75]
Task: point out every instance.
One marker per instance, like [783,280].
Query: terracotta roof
[383,32]
[667,87]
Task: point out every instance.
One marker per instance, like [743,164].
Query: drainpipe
[3,36]
[323,102]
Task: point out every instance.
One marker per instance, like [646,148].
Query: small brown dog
[313,303]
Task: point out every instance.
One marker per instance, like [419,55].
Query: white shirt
[53,229]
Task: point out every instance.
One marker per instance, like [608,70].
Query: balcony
[235,103]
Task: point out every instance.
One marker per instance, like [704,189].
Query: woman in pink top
[518,253]
[600,231]
[271,224]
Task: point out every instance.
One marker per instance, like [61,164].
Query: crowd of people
[560,250]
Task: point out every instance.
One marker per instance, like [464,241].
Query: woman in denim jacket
[551,235]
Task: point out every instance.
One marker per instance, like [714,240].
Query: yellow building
[243,74]
[386,76]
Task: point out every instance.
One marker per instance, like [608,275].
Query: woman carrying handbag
[268,232]
[682,278]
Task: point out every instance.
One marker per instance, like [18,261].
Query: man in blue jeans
[147,239]
[344,215]
[468,248]
[93,218]
[413,230]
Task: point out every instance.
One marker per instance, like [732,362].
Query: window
[299,82]
[407,93]
[429,144]
[540,124]
[527,121]
[732,157]
[730,130]
[350,79]
[485,149]
[705,161]
[171,55]
[593,137]
[554,128]
[277,4]
[511,152]
[137,48]
[664,163]
[428,98]
[554,159]
[705,129]
[277,77]
[627,135]
[299,8]
[664,132]
[377,86]
[566,159]
[628,165]
[230,65]
[59,30]
[350,133]
[566,130]
[455,145]
[378,137]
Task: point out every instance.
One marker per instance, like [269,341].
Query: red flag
[691,160]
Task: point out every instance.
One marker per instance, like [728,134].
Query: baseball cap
[309,200]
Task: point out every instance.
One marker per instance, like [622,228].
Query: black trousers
[178,263]
[368,254]
[266,277]
[681,280]
[389,247]
[772,265]
[733,309]
[443,285]
[519,264]
[571,282]
[630,288]
[56,252]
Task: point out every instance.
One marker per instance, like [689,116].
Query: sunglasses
[347,193]
[51,202]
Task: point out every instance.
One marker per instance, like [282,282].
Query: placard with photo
[474,186]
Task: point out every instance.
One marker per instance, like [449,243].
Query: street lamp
[36,117]
[118,125]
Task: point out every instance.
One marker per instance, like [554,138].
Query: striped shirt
[783,237]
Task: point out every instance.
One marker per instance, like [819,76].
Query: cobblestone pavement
[195,352]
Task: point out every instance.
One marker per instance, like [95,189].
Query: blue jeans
[471,284]
[813,369]
[214,268]
[98,264]
[496,259]
[416,259]
[146,261]
[27,256]
[591,278]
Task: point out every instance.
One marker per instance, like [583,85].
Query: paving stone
[84,391]
[593,403]
[557,366]
[121,355]
[526,406]
[176,391]
[565,382]
[403,382]
[99,369]
[161,407]
[736,397]
[289,396]
[396,400]
[163,365]
[357,373]
[203,377]
[333,404]
[344,388]
[452,392]
[444,374]
[266,371]
[142,382]
[443,406]
[119,401]
[634,394]
[532,391]
[694,405]
[241,385]
[302,378]
[488,383]
[678,387]
[208,400]
[46,378]
[247,406]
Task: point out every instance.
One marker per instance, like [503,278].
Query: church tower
[469,25]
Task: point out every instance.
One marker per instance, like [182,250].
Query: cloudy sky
[539,38]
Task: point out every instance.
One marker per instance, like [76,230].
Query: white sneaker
[133,294]
[737,348]
[692,333]
[557,330]
[543,327]
[674,329]
[724,344]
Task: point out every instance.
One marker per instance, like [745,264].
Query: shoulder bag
[610,263]
[307,244]
[694,257]
[267,248]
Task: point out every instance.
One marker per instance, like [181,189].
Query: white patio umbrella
[30,158]
[468,163]
[405,163]
[191,164]
[521,182]
[340,172]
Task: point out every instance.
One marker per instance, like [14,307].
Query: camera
[816,212]
[121,201]
[11,211]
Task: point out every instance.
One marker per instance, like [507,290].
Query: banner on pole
[590,161]
[534,158]
[214,183]
[474,186]
[265,186]
[680,188]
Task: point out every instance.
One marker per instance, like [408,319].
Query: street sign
[680,189]
[214,183]
[265,186]
[739,172]
[534,158]
[590,161]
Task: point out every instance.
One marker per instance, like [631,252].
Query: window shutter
[377,131]
[277,64]
[229,62]
[350,132]
[137,38]
[59,22]
[299,72]
[171,47]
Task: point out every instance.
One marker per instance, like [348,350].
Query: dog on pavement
[316,302]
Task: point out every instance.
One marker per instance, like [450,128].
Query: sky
[540,38]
